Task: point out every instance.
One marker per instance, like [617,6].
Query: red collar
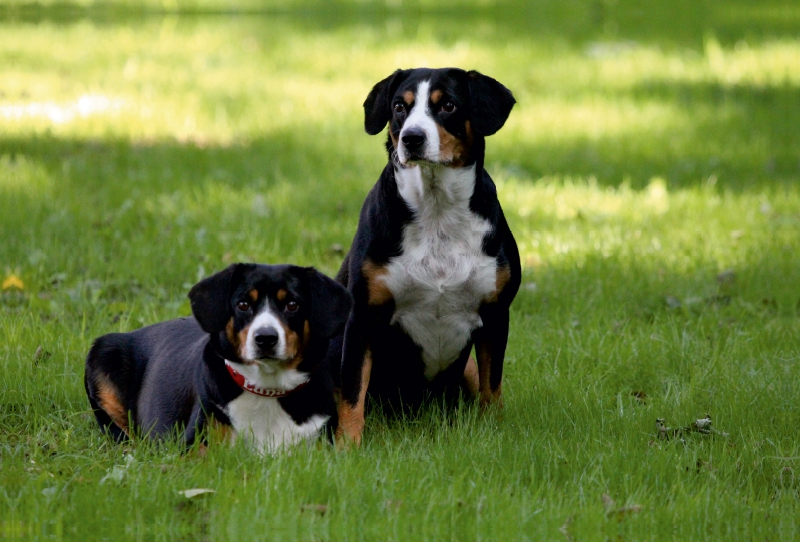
[246,385]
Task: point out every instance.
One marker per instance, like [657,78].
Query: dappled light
[650,173]
[610,108]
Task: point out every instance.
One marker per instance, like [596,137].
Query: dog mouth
[268,364]
[410,159]
[265,362]
[263,366]
[410,162]
[416,160]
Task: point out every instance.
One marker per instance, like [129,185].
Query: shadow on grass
[292,195]
[576,21]
[115,166]
[743,135]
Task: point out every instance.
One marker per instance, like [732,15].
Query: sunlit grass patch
[18,175]
[767,63]
[563,120]
[649,172]
[614,108]
[654,231]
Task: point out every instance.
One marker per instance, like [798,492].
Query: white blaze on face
[265,318]
[420,119]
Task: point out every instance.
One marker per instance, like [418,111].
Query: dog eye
[399,108]
[243,306]
[292,306]
[449,107]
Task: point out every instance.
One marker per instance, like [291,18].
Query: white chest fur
[442,275]
[263,422]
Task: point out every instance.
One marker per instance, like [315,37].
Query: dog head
[268,314]
[437,116]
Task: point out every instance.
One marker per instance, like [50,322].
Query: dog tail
[108,367]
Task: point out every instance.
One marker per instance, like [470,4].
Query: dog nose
[266,338]
[413,139]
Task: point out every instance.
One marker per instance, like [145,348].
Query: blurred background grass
[650,175]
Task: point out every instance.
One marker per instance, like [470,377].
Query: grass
[650,175]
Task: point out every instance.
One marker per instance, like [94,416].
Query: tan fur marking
[351,417]
[501,280]
[452,151]
[281,295]
[503,276]
[488,396]
[253,294]
[408,97]
[231,334]
[108,399]
[471,378]
[295,347]
[241,339]
[378,292]
[292,341]
[436,95]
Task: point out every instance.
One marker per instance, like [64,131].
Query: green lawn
[649,173]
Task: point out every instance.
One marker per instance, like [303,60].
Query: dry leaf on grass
[117,473]
[318,508]
[196,492]
[702,426]
[393,505]
[13,281]
[40,355]
[613,511]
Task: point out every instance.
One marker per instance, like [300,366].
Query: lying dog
[433,267]
[252,357]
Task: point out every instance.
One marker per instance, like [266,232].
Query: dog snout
[413,139]
[266,339]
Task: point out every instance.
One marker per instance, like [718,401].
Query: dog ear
[330,304]
[491,103]
[211,299]
[376,107]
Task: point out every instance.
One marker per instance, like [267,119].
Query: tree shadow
[576,21]
[744,136]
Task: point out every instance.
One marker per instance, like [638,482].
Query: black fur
[211,298]
[376,107]
[482,106]
[171,377]
[491,103]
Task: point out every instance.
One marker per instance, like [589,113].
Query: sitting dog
[252,357]
[433,268]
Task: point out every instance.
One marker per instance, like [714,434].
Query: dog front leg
[356,370]
[195,425]
[490,349]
